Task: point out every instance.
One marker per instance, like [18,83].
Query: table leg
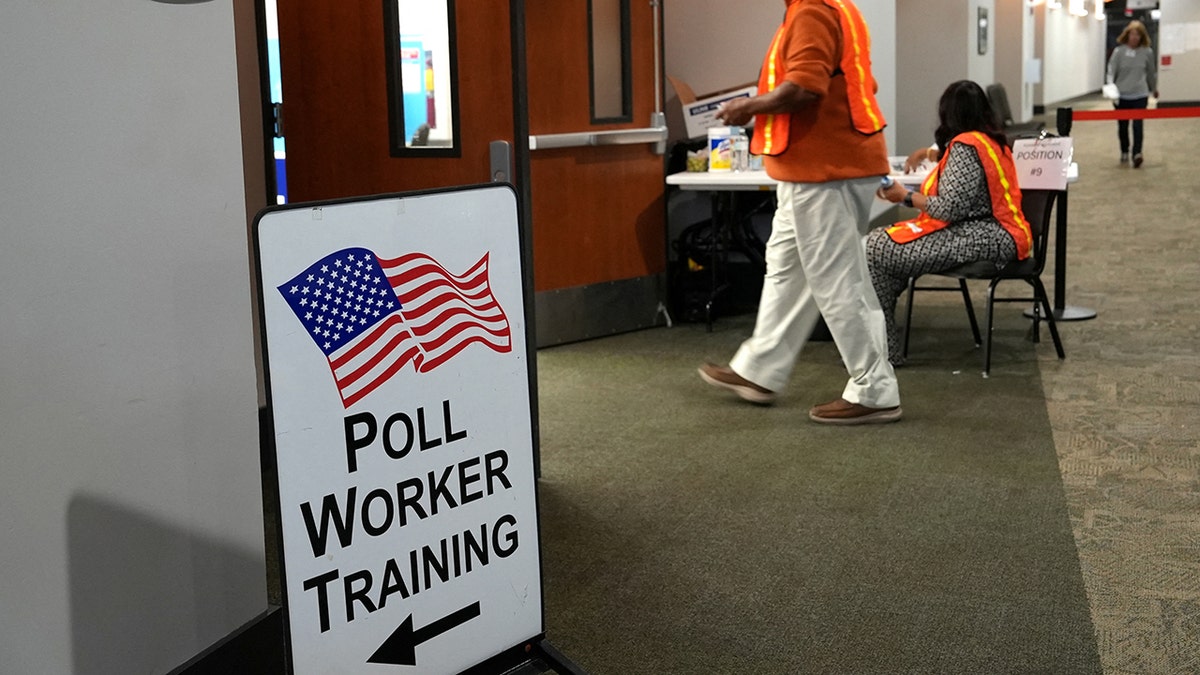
[722,209]
[1062,311]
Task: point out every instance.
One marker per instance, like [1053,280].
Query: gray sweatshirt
[1132,70]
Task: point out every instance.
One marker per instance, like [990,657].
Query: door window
[422,77]
[611,76]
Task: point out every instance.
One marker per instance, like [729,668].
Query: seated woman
[970,206]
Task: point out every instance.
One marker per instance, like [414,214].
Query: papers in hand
[909,180]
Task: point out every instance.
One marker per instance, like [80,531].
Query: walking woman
[1131,68]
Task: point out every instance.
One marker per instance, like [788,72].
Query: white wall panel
[1181,82]
[1073,56]
[132,533]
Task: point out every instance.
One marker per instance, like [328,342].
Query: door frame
[615,306]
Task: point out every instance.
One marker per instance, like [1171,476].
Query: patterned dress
[974,234]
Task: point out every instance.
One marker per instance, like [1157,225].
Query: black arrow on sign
[400,649]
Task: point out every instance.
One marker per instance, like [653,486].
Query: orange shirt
[822,142]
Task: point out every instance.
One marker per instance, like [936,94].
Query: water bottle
[887,182]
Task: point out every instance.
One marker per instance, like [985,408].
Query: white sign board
[1042,163]
[398,383]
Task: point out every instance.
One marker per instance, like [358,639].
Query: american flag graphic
[373,316]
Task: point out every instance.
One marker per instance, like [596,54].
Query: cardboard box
[699,113]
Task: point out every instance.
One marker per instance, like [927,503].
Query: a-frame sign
[399,390]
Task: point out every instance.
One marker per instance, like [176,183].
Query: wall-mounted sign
[398,384]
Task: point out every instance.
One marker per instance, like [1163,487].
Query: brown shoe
[725,378]
[1137,161]
[844,412]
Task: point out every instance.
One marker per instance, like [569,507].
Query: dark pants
[1123,125]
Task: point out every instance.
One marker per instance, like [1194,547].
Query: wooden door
[594,216]
[598,213]
[334,71]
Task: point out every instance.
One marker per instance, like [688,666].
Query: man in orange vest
[818,125]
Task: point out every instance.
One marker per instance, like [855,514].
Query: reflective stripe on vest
[771,131]
[856,63]
[1005,195]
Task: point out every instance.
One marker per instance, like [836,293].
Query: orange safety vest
[771,131]
[1002,185]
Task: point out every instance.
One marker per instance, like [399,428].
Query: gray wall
[1010,49]
[981,67]
[932,53]
[711,46]
[1181,82]
[129,485]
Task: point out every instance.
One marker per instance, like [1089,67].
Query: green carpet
[686,532]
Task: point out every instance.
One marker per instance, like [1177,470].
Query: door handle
[500,161]
[656,134]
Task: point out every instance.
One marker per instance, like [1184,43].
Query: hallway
[1046,519]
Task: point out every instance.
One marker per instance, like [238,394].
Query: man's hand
[785,98]
[736,112]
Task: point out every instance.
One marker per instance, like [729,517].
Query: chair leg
[1035,330]
[1041,294]
[987,345]
[962,284]
[912,283]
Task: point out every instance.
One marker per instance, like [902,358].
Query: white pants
[816,267]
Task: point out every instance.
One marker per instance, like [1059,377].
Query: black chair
[420,137]
[998,98]
[1037,206]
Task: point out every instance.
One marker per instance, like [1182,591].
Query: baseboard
[598,310]
[256,647]
[1178,104]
